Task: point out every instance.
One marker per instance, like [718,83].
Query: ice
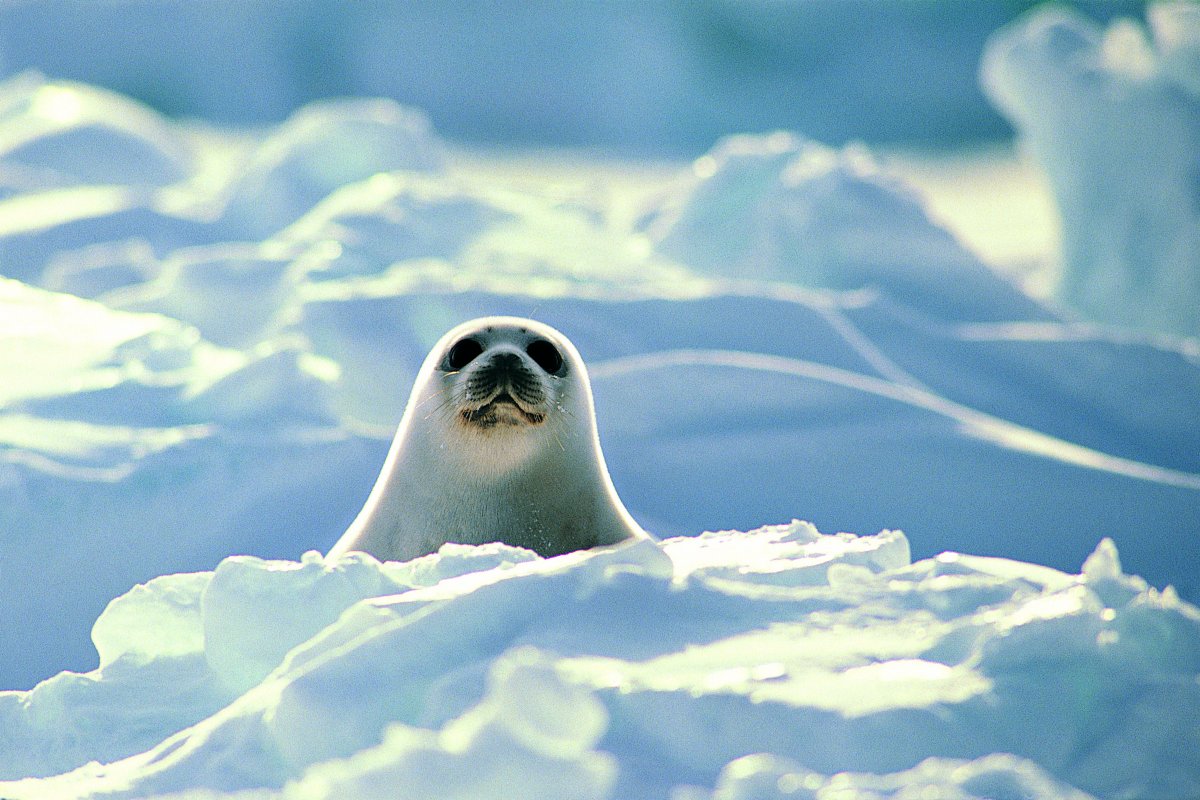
[862,367]
[532,735]
[650,670]
[232,294]
[63,134]
[1104,563]
[207,341]
[247,596]
[999,777]
[157,619]
[151,680]
[779,551]
[1176,30]
[1113,116]
[122,421]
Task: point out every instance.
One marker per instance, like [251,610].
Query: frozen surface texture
[762,664]
[1113,115]
[208,339]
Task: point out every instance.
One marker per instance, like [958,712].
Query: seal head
[498,443]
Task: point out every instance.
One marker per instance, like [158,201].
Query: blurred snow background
[209,330]
[656,77]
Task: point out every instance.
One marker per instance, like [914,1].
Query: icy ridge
[220,349]
[486,668]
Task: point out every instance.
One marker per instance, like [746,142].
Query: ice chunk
[999,777]
[1175,27]
[452,560]
[84,360]
[532,736]
[148,448]
[231,293]
[157,619]
[766,777]
[1114,119]
[152,681]
[1103,563]
[248,596]
[536,708]
[503,673]
[794,554]
[276,385]
[97,269]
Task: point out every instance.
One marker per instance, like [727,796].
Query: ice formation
[208,336]
[724,665]
[194,367]
[1113,116]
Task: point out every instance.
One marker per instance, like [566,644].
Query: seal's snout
[505,364]
[500,373]
[503,389]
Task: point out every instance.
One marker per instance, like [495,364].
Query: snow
[653,77]
[208,337]
[1113,115]
[822,660]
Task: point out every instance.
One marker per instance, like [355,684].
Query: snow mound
[211,357]
[730,664]
[1113,115]
[323,147]
[779,207]
[70,134]
[114,421]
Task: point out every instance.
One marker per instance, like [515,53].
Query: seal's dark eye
[463,353]
[545,355]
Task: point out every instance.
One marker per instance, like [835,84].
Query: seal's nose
[505,363]
[504,368]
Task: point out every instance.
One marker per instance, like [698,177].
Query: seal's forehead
[515,330]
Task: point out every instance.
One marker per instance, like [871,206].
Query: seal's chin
[501,410]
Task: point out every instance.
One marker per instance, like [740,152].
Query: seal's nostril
[505,361]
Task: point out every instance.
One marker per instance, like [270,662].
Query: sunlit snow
[208,336]
[483,671]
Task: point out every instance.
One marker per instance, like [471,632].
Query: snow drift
[749,662]
[198,363]
[208,338]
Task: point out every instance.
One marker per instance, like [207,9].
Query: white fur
[544,487]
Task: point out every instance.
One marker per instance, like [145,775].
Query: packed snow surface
[209,337]
[1113,115]
[768,664]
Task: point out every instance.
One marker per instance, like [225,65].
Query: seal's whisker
[427,400]
[449,400]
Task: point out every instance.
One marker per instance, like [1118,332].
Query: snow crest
[479,671]
[209,338]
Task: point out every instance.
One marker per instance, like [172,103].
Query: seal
[498,442]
